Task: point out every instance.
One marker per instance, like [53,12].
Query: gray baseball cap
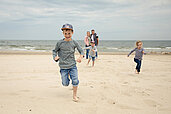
[67,26]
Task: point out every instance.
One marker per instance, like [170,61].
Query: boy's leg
[89,59]
[137,66]
[75,98]
[96,55]
[87,53]
[93,59]
[64,77]
[74,77]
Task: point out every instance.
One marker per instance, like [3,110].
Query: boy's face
[139,45]
[67,33]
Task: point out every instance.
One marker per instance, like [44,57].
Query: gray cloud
[112,19]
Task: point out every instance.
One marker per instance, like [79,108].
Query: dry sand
[31,84]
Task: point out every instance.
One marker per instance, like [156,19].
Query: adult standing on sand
[87,41]
[94,38]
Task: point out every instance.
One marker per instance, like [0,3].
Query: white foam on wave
[19,49]
[153,48]
[168,47]
[29,47]
[112,48]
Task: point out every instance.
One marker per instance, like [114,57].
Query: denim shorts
[93,58]
[67,74]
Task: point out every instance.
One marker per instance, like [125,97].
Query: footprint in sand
[145,93]
[53,87]
[111,101]
[124,106]
[37,98]
[25,90]
[13,94]
[127,94]
[125,83]
[151,103]
[132,74]
[136,81]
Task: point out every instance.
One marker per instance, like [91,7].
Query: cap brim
[66,28]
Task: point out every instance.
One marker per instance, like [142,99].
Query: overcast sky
[112,19]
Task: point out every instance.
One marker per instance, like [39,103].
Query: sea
[104,45]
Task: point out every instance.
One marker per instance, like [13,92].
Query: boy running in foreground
[64,52]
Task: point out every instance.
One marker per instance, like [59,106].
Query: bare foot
[136,71]
[75,99]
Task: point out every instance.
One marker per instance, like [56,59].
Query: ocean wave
[168,47]
[29,47]
[19,49]
[111,48]
[153,48]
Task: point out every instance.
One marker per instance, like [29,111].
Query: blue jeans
[73,73]
[138,64]
[96,54]
[87,53]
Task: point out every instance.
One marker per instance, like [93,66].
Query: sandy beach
[31,84]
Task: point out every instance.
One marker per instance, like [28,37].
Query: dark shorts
[93,58]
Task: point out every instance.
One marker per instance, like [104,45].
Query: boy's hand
[79,60]
[93,50]
[57,58]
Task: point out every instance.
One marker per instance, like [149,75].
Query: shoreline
[49,53]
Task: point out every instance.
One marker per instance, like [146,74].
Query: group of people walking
[91,42]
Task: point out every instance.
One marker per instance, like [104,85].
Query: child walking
[139,51]
[92,54]
[64,53]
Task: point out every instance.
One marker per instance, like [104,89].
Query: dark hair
[92,30]
[67,29]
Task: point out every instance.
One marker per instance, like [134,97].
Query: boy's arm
[55,51]
[80,50]
[95,49]
[86,47]
[144,52]
[97,41]
[131,52]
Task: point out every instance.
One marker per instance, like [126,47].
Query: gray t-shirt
[91,53]
[65,50]
[138,53]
